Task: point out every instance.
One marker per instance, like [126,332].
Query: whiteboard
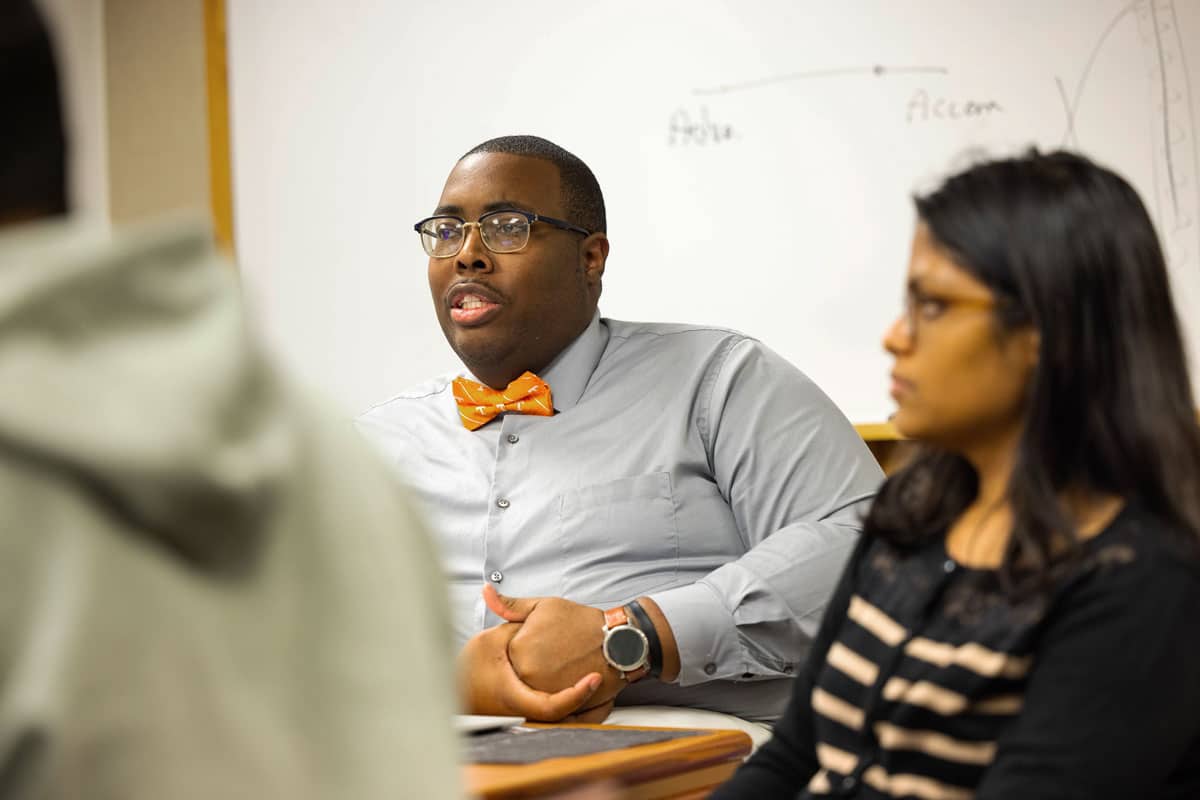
[703,120]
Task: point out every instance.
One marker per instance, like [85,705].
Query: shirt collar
[569,373]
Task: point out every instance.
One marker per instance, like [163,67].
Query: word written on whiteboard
[684,129]
[924,107]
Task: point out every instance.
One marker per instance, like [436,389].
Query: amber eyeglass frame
[911,318]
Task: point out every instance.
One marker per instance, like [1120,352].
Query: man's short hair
[581,196]
[33,168]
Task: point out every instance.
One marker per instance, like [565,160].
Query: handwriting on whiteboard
[924,107]
[685,128]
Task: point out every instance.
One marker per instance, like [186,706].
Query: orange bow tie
[478,404]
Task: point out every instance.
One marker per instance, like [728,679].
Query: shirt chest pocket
[618,538]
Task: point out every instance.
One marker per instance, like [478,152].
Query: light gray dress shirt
[687,463]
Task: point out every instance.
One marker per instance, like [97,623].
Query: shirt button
[513,438]
[848,783]
[496,576]
[709,669]
[949,566]
[502,502]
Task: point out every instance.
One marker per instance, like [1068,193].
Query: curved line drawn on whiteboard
[1186,89]
[1166,109]
[1174,142]
[1071,106]
[877,70]
[1173,125]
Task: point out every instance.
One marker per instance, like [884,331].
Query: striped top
[927,681]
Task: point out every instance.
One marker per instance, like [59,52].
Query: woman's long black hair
[1067,247]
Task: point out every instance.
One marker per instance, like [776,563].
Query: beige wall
[157,131]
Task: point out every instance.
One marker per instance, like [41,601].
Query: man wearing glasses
[664,508]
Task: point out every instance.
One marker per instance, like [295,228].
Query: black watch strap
[642,619]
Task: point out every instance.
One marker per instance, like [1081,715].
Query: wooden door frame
[219,157]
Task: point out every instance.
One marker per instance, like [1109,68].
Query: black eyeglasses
[504,231]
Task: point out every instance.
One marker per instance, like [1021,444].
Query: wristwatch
[625,646]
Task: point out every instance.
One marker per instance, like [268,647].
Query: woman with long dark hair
[1021,618]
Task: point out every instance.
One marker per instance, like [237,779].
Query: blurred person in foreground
[1019,619]
[195,600]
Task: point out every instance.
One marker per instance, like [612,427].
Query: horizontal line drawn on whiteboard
[878,71]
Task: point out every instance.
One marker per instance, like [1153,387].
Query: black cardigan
[925,680]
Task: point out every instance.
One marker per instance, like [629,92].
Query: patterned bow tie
[478,404]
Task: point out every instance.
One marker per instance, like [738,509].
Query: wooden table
[688,767]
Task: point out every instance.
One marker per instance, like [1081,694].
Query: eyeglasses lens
[504,232]
[442,236]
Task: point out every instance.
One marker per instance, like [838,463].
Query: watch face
[626,647]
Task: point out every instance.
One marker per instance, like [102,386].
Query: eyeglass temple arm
[558,223]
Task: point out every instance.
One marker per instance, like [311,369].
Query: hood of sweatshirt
[126,368]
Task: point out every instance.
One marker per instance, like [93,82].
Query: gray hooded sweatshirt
[207,588]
